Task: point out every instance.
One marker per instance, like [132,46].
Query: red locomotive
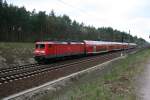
[55,49]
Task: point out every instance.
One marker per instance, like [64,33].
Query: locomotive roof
[57,42]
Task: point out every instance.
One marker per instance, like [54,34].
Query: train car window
[36,46]
[40,46]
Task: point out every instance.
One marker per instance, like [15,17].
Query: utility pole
[122,44]
[129,38]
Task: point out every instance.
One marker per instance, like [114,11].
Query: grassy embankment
[116,83]
[15,53]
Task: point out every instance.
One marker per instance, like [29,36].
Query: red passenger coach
[95,46]
[103,46]
[46,50]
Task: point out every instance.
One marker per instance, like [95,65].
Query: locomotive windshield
[40,46]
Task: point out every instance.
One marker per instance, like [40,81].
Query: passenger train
[56,49]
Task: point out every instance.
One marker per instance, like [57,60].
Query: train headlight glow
[42,52]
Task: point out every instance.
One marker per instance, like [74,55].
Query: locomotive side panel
[68,49]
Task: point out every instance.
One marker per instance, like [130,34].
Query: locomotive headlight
[36,51]
[42,52]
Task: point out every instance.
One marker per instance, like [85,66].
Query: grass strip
[116,84]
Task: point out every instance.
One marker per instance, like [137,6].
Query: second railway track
[34,69]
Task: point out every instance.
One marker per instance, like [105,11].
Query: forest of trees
[19,25]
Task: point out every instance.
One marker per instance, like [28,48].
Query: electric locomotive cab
[40,51]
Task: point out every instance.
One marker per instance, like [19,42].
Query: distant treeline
[19,25]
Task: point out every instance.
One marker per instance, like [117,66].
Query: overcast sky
[123,15]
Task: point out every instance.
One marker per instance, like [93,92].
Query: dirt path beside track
[143,83]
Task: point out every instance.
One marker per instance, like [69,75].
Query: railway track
[10,69]
[28,66]
[24,77]
[8,75]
